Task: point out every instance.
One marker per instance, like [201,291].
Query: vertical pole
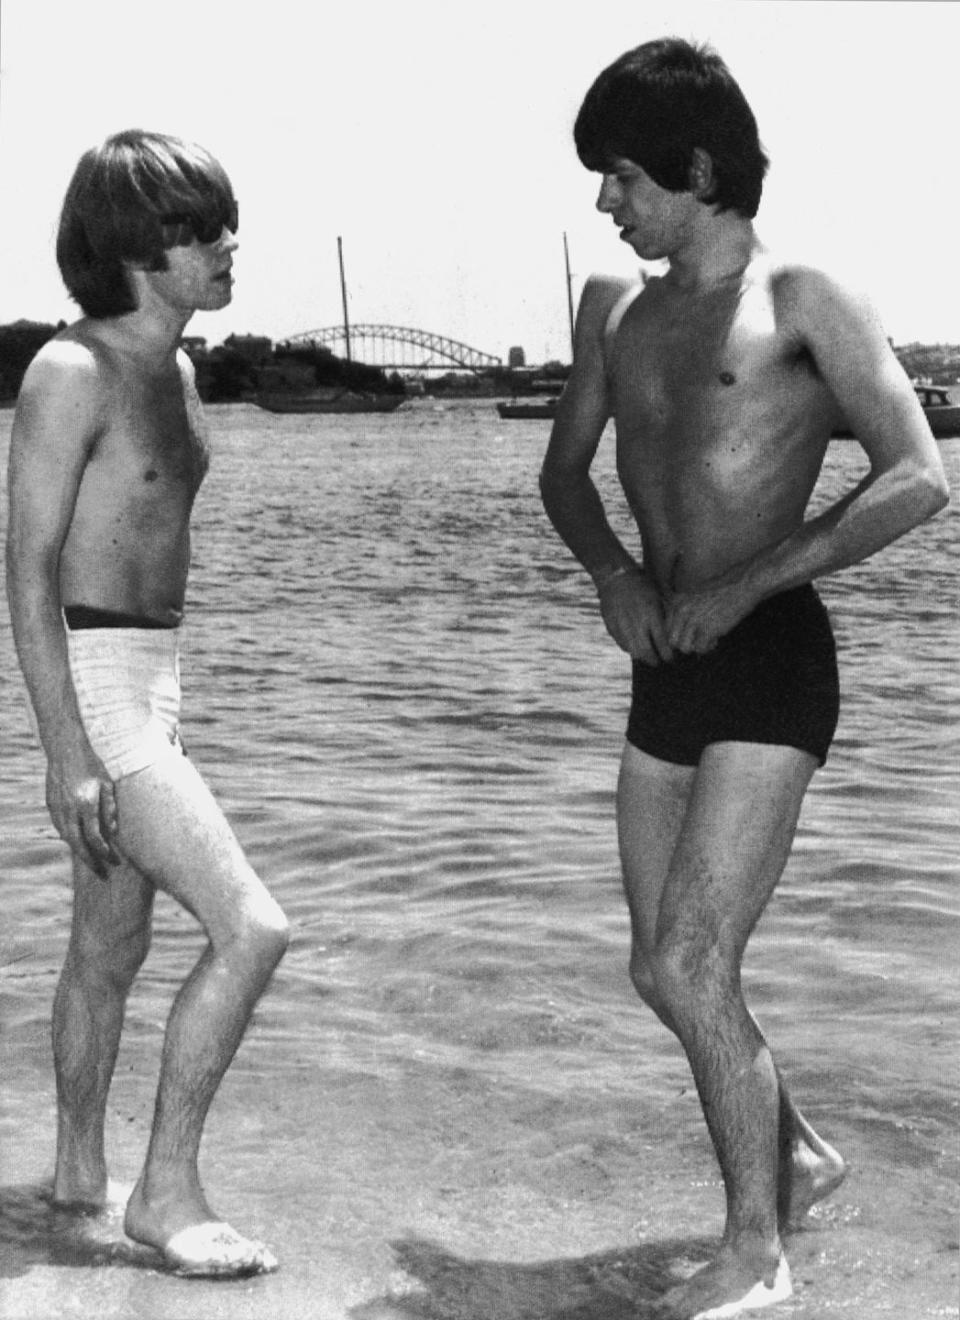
[343,295]
[566,259]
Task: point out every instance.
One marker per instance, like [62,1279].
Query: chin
[646,251]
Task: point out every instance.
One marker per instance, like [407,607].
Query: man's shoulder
[601,293]
[67,379]
[798,283]
[604,299]
[813,302]
[75,357]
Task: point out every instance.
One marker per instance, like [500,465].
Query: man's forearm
[874,514]
[41,647]
[576,511]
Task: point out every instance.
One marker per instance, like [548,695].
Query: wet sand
[440,1195]
[450,1105]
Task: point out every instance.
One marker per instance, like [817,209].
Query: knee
[642,975]
[647,983]
[690,969]
[110,955]
[267,936]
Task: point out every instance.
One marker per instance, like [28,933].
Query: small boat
[327,401]
[545,409]
[940,411]
[938,408]
[518,409]
[332,399]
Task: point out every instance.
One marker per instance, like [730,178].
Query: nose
[607,195]
[228,241]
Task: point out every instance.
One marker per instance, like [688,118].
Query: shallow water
[397,684]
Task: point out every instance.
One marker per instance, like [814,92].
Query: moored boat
[522,409]
[940,410]
[327,401]
[518,409]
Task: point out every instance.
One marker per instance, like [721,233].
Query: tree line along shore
[243,365]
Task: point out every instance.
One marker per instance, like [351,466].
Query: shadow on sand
[33,1231]
[613,1285]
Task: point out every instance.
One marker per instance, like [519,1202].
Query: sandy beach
[443,1196]
[450,1105]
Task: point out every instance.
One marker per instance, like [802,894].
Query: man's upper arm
[854,357]
[584,406]
[57,422]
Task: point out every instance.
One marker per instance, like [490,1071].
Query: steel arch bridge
[395,347]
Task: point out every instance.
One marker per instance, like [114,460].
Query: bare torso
[128,544]
[722,420]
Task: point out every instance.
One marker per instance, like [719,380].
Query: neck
[151,336]
[716,251]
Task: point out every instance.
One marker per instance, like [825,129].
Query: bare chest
[708,375]
[718,411]
[155,447]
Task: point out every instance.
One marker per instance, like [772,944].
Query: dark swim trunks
[772,679]
[91,616]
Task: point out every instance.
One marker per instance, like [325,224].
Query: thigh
[173,831]
[652,801]
[110,911]
[734,842]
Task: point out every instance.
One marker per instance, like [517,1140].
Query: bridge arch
[395,347]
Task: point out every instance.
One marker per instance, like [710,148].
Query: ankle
[760,1254]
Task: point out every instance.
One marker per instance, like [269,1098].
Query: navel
[150,475]
[727,378]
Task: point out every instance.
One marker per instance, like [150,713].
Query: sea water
[397,684]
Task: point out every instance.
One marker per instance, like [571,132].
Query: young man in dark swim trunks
[107,453]
[725,378]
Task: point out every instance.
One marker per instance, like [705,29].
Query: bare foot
[193,1242]
[214,1250]
[724,1288]
[809,1177]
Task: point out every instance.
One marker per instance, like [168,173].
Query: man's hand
[696,620]
[83,808]
[633,613]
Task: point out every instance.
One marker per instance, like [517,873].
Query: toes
[216,1251]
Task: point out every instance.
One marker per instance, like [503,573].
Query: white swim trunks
[127,682]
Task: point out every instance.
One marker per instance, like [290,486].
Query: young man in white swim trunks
[725,378]
[107,453]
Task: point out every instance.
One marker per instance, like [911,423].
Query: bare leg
[109,939]
[702,851]
[653,800]
[173,831]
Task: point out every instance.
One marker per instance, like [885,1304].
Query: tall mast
[566,259]
[343,295]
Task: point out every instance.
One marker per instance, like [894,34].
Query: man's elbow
[929,491]
[935,489]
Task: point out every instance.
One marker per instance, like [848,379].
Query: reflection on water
[398,685]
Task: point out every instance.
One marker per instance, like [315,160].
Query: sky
[435,138]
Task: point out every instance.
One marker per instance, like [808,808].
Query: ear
[701,174]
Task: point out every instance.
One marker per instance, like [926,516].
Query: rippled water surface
[398,686]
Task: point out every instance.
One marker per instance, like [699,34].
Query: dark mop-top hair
[113,210]
[658,102]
